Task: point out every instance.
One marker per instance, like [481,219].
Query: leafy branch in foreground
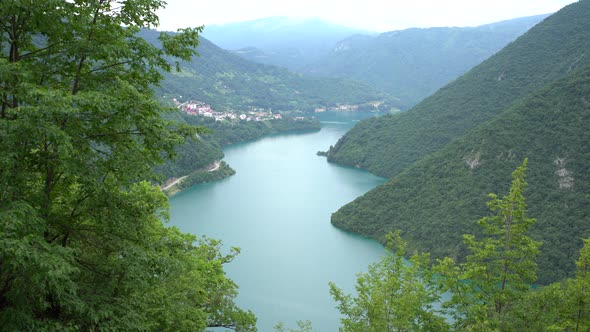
[500,267]
[82,245]
[487,292]
[393,295]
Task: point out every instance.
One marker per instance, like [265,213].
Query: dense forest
[490,291]
[194,156]
[83,246]
[437,199]
[86,139]
[227,82]
[412,64]
[549,51]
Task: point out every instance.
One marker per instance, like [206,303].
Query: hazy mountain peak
[291,42]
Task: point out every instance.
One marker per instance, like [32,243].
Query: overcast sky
[374,15]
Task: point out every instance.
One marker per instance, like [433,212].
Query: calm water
[277,210]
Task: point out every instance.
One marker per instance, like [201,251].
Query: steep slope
[440,197]
[412,64]
[226,81]
[288,42]
[549,51]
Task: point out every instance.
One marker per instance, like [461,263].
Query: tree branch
[28,55]
[108,66]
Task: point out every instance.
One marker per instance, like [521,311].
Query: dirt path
[216,165]
[168,186]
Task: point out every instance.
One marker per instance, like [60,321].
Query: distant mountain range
[281,41]
[531,99]
[229,82]
[408,64]
[412,64]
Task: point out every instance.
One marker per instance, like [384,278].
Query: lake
[277,209]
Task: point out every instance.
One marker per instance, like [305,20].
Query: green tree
[82,246]
[580,292]
[500,267]
[393,295]
[561,306]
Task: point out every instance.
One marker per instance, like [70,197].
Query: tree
[393,295]
[561,306]
[500,267]
[81,241]
[580,292]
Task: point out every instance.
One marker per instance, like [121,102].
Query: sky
[371,15]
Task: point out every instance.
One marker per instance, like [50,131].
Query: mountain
[288,42]
[548,51]
[530,100]
[412,64]
[438,199]
[226,81]
[196,157]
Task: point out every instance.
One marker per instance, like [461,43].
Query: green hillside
[412,64]
[195,155]
[549,51]
[228,82]
[440,197]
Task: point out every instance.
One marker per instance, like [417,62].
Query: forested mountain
[439,197]
[226,81]
[282,41]
[549,51]
[412,64]
[196,154]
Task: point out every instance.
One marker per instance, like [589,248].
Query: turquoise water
[277,210]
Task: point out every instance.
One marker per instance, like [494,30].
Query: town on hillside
[198,108]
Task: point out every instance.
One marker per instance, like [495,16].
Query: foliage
[393,295]
[228,82]
[230,132]
[491,291]
[302,326]
[412,64]
[547,52]
[433,201]
[202,176]
[193,155]
[562,306]
[82,245]
[196,154]
[500,266]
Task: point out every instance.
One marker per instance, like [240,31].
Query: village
[198,108]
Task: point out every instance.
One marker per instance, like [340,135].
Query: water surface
[277,210]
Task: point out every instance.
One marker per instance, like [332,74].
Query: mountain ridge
[438,199]
[413,63]
[388,145]
[287,42]
[228,82]
[540,112]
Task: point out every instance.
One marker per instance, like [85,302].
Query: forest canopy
[82,244]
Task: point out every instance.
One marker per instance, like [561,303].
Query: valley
[377,167]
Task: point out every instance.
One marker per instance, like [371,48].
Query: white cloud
[378,15]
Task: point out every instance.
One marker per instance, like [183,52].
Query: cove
[277,209]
